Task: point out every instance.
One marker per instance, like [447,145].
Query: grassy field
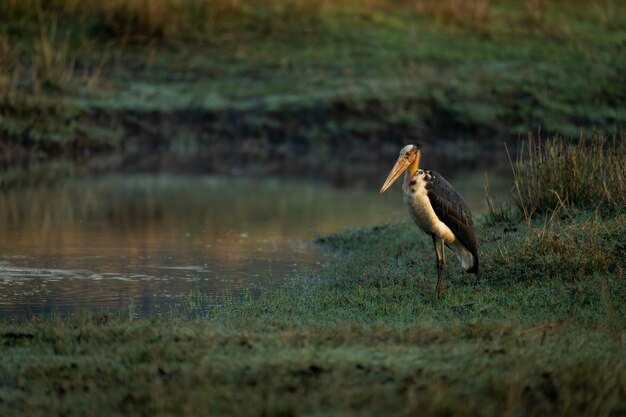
[80,78]
[540,331]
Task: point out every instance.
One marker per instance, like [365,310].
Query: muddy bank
[329,139]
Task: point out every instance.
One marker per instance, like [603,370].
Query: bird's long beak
[401,165]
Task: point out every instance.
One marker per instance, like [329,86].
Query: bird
[438,209]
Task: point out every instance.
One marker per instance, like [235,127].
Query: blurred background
[151,148]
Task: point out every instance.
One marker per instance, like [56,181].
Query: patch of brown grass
[52,63]
[143,20]
[473,14]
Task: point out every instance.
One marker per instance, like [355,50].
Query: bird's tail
[469,260]
[473,269]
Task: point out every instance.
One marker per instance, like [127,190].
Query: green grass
[340,73]
[540,331]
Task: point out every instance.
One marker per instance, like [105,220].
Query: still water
[99,243]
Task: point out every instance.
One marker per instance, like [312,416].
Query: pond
[102,243]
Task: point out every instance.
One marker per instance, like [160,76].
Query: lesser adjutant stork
[438,209]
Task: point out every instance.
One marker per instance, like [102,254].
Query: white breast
[420,209]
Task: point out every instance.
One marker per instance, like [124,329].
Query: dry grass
[554,174]
[143,20]
[146,20]
[473,14]
[9,69]
[498,211]
[52,63]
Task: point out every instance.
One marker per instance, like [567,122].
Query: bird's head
[408,155]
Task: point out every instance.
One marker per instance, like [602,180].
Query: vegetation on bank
[206,20]
[80,78]
[552,175]
[540,331]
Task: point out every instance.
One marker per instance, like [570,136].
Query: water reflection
[98,243]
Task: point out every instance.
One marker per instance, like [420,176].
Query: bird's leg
[441,264]
[443,252]
[437,265]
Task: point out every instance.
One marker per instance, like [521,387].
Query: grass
[142,20]
[189,369]
[539,332]
[534,334]
[338,73]
[553,175]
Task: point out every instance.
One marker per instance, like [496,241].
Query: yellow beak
[401,165]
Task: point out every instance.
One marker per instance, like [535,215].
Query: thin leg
[441,265]
[443,251]
[437,263]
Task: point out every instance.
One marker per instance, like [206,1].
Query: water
[99,243]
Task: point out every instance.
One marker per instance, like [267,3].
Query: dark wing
[451,209]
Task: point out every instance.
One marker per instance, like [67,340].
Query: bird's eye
[407,154]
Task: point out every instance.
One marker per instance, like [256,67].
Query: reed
[52,63]
[553,174]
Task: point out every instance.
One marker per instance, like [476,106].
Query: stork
[438,209]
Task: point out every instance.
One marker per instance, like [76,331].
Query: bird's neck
[411,170]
